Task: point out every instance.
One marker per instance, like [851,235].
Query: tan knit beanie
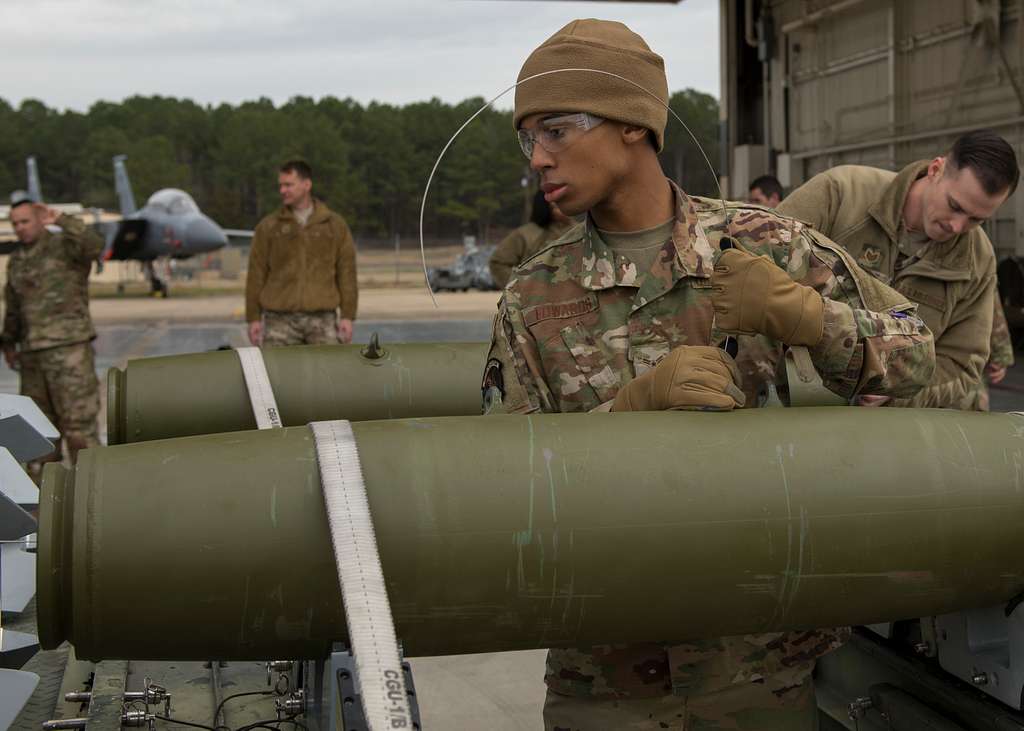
[604,45]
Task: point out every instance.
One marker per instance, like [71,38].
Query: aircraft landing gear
[157,286]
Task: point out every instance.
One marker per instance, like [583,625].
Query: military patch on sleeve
[493,377]
[493,387]
[559,310]
[870,257]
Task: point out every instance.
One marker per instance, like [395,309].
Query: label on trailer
[371,628]
[261,395]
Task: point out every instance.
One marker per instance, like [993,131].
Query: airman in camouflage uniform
[1000,356]
[604,320]
[48,332]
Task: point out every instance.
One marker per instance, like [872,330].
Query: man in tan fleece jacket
[302,269]
[918,230]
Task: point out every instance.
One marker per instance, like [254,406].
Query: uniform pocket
[932,299]
[282,249]
[322,248]
[600,363]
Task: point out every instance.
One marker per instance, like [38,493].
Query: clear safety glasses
[557,133]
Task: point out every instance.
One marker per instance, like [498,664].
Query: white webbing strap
[261,395]
[371,629]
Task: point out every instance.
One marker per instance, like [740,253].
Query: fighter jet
[35,192]
[169,225]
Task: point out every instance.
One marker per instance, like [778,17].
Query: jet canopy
[172,201]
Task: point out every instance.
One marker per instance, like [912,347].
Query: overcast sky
[71,53]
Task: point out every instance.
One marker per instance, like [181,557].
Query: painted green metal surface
[204,393]
[515,532]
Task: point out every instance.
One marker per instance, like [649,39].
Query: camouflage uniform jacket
[1000,354]
[47,292]
[953,282]
[573,327]
[1001,346]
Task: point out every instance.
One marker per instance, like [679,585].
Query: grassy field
[381,268]
[378,269]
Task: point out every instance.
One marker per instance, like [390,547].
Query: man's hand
[47,216]
[692,377]
[12,358]
[344,330]
[752,295]
[995,373]
[871,399]
[256,333]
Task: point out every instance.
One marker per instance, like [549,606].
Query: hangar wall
[809,84]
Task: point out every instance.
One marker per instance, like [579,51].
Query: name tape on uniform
[261,394]
[371,627]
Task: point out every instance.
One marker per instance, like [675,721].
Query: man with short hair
[919,230]
[766,191]
[48,332]
[624,313]
[302,269]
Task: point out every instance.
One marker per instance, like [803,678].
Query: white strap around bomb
[371,628]
[261,394]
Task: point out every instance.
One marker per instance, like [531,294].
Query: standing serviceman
[766,190]
[623,313]
[546,224]
[919,230]
[1000,357]
[302,269]
[48,332]
[760,357]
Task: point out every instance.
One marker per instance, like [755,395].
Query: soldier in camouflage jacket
[48,332]
[643,285]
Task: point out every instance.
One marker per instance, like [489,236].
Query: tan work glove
[693,377]
[753,296]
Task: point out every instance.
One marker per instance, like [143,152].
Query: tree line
[370,162]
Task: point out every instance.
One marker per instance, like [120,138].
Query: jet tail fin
[123,186]
[35,191]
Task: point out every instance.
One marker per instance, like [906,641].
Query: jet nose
[204,235]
